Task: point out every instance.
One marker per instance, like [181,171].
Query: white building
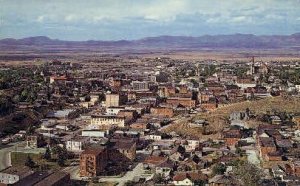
[94,133]
[114,110]
[12,175]
[77,144]
[106,120]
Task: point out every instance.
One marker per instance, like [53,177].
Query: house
[186,102]
[108,121]
[140,85]
[94,133]
[122,150]
[189,178]
[164,169]
[162,111]
[77,144]
[130,115]
[114,100]
[93,162]
[232,137]
[113,110]
[239,116]
[34,141]
[191,144]
[266,145]
[223,180]
[153,161]
[12,175]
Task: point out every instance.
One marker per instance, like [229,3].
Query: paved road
[129,176]
[74,172]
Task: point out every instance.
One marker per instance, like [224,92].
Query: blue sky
[134,19]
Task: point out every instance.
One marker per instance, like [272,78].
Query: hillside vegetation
[218,119]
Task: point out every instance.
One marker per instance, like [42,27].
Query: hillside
[218,118]
[246,41]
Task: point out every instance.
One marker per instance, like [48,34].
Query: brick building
[93,162]
[162,111]
[186,102]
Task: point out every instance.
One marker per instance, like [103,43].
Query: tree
[61,161]
[29,162]
[47,154]
[248,173]
[219,169]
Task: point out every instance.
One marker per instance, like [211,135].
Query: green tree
[61,161]
[47,154]
[29,162]
[219,169]
[249,174]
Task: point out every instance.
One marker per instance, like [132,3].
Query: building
[232,137]
[162,111]
[266,145]
[56,179]
[188,178]
[140,85]
[12,175]
[77,144]
[93,162]
[94,133]
[34,141]
[114,100]
[186,102]
[122,150]
[113,110]
[108,121]
[58,79]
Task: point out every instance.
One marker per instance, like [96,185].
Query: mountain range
[246,41]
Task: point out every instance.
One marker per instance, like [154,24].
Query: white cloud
[40,19]
[70,17]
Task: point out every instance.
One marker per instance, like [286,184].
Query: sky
[134,19]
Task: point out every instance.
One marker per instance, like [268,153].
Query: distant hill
[246,41]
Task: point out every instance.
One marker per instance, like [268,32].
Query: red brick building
[93,162]
[186,102]
[162,111]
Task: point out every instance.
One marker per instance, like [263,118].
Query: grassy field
[218,118]
[19,158]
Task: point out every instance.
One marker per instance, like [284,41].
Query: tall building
[93,162]
[115,100]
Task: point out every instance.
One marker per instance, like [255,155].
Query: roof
[33,178]
[156,160]
[123,144]
[20,171]
[93,151]
[53,178]
[194,176]
[266,142]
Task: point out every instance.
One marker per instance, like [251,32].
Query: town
[150,121]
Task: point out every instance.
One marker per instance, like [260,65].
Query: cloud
[131,19]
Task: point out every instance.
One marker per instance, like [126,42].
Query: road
[74,172]
[129,176]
